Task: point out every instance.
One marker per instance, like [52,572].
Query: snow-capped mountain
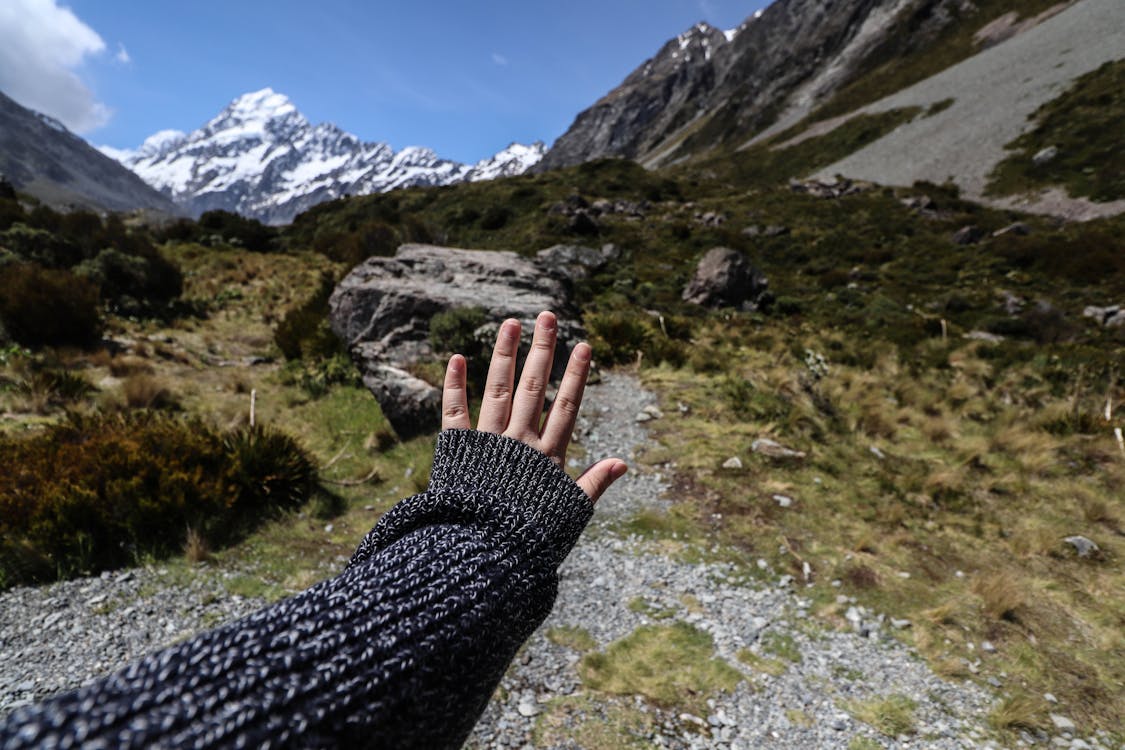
[260,157]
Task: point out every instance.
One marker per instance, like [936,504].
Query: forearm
[400,650]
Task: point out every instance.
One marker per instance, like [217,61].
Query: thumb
[597,479]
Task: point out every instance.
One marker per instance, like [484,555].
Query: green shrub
[455,332]
[495,217]
[304,331]
[47,307]
[40,246]
[616,337]
[98,492]
[133,284]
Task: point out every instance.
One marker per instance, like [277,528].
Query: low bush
[618,337]
[100,492]
[48,307]
[304,331]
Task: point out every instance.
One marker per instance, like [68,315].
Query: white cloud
[499,59]
[41,45]
[122,55]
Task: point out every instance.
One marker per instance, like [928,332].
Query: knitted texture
[401,650]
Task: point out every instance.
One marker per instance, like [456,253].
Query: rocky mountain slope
[797,60]
[261,157]
[39,156]
[991,98]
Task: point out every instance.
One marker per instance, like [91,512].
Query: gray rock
[1102,315]
[967,235]
[1045,155]
[1083,546]
[382,310]
[571,261]
[1062,723]
[724,278]
[734,462]
[1017,228]
[774,449]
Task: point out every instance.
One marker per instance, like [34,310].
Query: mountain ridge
[262,158]
[42,158]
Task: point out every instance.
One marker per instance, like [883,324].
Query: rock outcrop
[724,278]
[383,308]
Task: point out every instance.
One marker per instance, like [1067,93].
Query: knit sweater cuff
[499,466]
[495,483]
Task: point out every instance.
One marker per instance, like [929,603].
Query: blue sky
[462,78]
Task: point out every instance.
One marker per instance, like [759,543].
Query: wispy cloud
[122,55]
[499,59]
[41,45]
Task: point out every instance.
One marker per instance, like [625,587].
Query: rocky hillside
[40,157]
[798,62]
[262,158]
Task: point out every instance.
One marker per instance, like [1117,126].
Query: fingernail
[546,321]
[582,352]
[618,470]
[456,364]
[511,328]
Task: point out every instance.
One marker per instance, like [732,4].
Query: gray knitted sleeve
[401,650]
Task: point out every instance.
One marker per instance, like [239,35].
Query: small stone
[643,416]
[1045,155]
[1062,723]
[52,619]
[653,410]
[762,564]
[1050,698]
[124,577]
[328,528]
[994,682]
[987,647]
[95,600]
[527,709]
[967,235]
[734,462]
[898,624]
[877,453]
[783,500]
[773,449]
[1083,546]
[839,723]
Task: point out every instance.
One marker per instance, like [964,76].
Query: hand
[518,416]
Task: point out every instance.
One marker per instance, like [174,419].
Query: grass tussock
[892,715]
[671,665]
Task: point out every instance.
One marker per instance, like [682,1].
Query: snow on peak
[730,34]
[260,157]
[517,158]
[161,141]
[265,103]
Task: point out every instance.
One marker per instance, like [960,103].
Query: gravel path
[801,708]
[993,93]
[59,636]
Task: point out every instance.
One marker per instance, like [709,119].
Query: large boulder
[382,310]
[724,278]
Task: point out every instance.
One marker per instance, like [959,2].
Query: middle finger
[496,404]
[527,407]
